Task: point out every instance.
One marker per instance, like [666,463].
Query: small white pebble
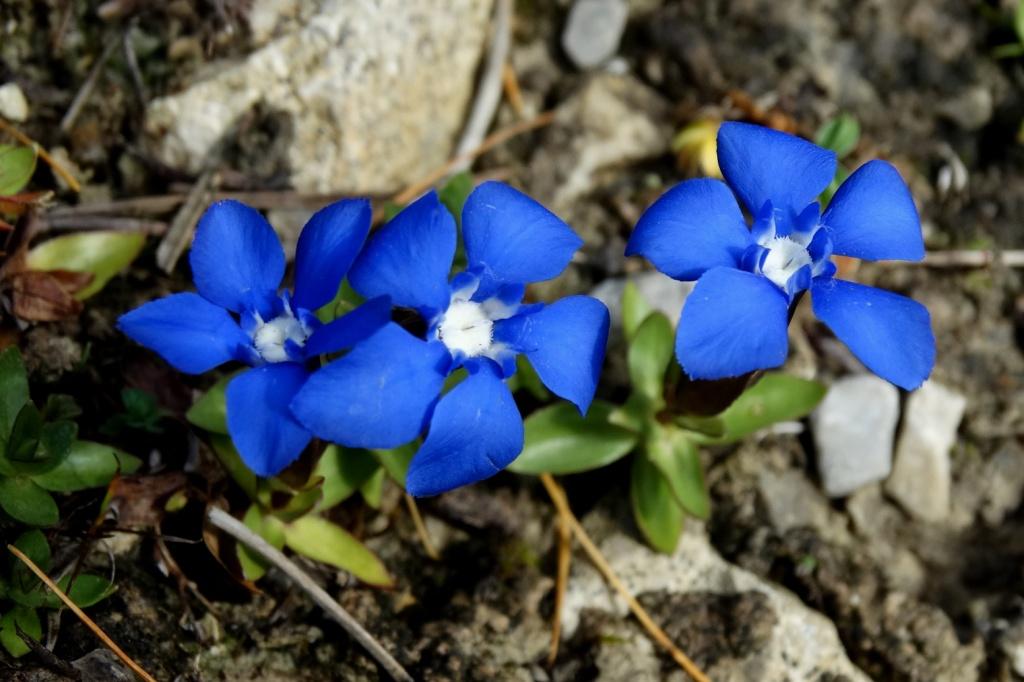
[13,105]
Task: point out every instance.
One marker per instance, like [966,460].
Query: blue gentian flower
[735,320]
[388,390]
[238,315]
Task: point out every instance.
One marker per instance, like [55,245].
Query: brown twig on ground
[561,581]
[88,86]
[179,234]
[488,92]
[421,528]
[89,623]
[969,258]
[43,154]
[238,530]
[60,223]
[130,58]
[493,140]
[562,504]
[510,83]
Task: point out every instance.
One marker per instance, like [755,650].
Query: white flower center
[270,338]
[466,328]
[784,258]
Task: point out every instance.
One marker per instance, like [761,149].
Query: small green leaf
[296,505]
[526,378]
[267,527]
[210,412]
[55,442]
[88,465]
[649,356]
[372,489]
[24,501]
[840,134]
[321,540]
[677,458]
[232,462]
[657,514]
[60,406]
[25,588]
[560,441]
[776,397]
[455,192]
[396,460]
[17,164]
[391,209]
[635,310]
[102,254]
[1018,21]
[23,442]
[87,590]
[345,300]
[343,470]
[712,427]
[28,621]
[13,389]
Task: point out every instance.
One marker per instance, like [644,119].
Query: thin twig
[238,530]
[43,154]
[493,140]
[179,234]
[969,258]
[103,222]
[89,623]
[130,58]
[560,501]
[421,528]
[488,93]
[561,581]
[514,95]
[88,86]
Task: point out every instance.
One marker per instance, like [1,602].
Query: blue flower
[388,390]
[735,320]
[237,264]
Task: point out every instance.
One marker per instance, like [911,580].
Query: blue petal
[409,258]
[565,342]
[263,429]
[762,165]
[328,244]
[691,228]
[872,216]
[189,332]
[512,239]
[476,431]
[351,328]
[378,395]
[733,322]
[237,260]
[889,333]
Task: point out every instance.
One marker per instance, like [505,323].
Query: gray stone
[793,501]
[799,643]
[661,292]
[376,90]
[853,432]
[922,478]
[971,109]
[593,30]
[13,105]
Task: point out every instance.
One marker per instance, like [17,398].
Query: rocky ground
[907,566]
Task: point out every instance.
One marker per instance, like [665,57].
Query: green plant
[22,594]
[840,134]
[39,452]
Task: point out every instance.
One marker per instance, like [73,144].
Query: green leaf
[712,427]
[25,588]
[657,514]
[776,397]
[60,406]
[13,389]
[649,356]
[87,590]
[321,540]
[372,489]
[268,528]
[344,301]
[17,164]
[560,441]
[232,462]
[23,442]
[24,501]
[102,254]
[840,134]
[635,310]
[55,442]
[210,412]
[28,621]
[455,192]
[88,465]
[396,460]
[1008,51]
[676,456]
[343,470]
[526,378]
[1018,21]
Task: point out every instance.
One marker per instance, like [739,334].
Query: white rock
[792,500]
[377,91]
[593,30]
[853,433]
[921,478]
[804,645]
[661,292]
[13,105]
